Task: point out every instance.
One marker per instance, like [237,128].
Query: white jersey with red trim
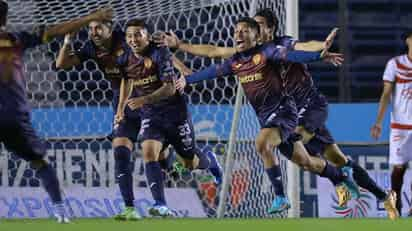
[399,71]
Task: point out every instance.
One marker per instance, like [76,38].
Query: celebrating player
[165,116]
[397,84]
[17,132]
[311,105]
[255,67]
[104,46]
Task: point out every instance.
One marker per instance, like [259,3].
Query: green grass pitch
[303,224]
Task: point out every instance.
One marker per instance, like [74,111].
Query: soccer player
[397,85]
[165,116]
[311,105]
[17,132]
[313,111]
[255,66]
[104,46]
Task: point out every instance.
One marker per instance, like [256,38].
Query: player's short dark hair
[271,19]
[4,8]
[250,22]
[138,23]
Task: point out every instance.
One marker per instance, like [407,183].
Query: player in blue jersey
[17,132]
[165,116]
[255,67]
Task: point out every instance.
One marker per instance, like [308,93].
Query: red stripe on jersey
[400,80]
[401,126]
[403,66]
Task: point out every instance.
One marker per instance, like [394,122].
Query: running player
[255,66]
[17,132]
[311,105]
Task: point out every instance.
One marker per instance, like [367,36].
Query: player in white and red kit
[397,88]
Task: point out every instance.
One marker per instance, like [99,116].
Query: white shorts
[400,146]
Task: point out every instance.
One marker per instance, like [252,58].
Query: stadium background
[370,34]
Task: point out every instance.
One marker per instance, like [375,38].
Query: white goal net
[71,109]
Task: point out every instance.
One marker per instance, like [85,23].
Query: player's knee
[149,155]
[306,135]
[38,164]
[261,146]
[189,164]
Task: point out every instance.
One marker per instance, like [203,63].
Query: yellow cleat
[343,195]
[390,205]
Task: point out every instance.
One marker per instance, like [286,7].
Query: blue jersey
[13,98]
[148,72]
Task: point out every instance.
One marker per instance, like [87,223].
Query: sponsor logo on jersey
[251,78]
[144,81]
[112,71]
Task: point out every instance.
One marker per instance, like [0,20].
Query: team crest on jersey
[148,63]
[257,59]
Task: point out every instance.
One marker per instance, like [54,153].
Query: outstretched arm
[74,25]
[317,45]
[208,73]
[276,53]
[180,66]
[172,41]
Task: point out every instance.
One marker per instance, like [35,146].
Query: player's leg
[152,135]
[266,141]
[167,158]
[315,136]
[317,145]
[400,145]
[23,141]
[319,166]
[125,134]
[332,152]
[397,175]
[183,139]
[410,209]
